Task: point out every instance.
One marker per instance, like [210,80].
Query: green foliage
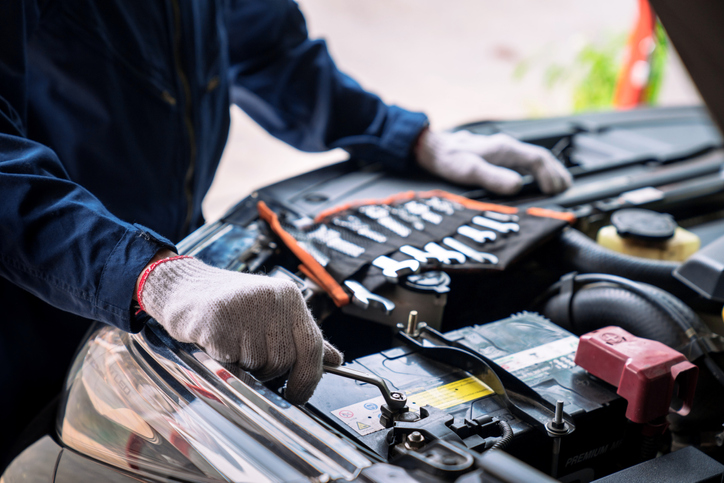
[521,69]
[592,75]
[597,74]
[554,74]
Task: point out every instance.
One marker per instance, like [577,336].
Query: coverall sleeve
[290,85]
[56,239]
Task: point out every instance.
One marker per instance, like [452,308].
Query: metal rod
[559,413]
[559,425]
[412,324]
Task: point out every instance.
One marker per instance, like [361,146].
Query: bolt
[412,324]
[415,440]
[559,415]
[415,436]
[396,395]
[557,426]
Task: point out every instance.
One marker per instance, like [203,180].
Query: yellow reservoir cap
[677,248]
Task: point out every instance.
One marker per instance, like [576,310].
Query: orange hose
[320,276]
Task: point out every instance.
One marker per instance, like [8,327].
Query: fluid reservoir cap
[427,282]
[643,224]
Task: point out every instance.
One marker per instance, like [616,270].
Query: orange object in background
[634,75]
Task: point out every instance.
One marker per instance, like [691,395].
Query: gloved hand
[493,162]
[260,322]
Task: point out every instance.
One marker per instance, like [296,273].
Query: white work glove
[261,323]
[493,162]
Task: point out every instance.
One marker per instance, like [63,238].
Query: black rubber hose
[584,255]
[505,438]
[644,310]
[641,309]
[597,306]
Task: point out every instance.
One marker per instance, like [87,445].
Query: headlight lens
[131,402]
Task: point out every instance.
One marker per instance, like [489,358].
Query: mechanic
[113,118]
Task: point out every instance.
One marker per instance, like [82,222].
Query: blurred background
[460,61]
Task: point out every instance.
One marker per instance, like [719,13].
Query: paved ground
[454,60]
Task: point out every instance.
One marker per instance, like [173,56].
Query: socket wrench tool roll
[370,243]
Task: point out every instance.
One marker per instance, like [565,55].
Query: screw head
[415,440]
[415,436]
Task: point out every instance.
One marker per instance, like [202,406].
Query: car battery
[527,345]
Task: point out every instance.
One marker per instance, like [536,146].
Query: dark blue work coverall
[113,117]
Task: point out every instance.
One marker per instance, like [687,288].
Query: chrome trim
[195,239]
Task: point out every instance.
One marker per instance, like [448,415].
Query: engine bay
[481,350]
[571,338]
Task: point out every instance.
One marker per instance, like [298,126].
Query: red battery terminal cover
[654,378]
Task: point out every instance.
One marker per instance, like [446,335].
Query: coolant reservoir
[648,234]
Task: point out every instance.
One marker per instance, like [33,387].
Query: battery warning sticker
[452,394]
[364,417]
[543,353]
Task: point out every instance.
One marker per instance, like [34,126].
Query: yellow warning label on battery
[452,394]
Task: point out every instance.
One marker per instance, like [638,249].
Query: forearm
[292,87]
[59,242]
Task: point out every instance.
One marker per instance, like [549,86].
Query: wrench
[333,239]
[365,299]
[423,211]
[480,236]
[481,257]
[421,256]
[442,205]
[448,257]
[393,269]
[394,399]
[406,216]
[355,225]
[494,215]
[320,257]
[503,228]
[382,217]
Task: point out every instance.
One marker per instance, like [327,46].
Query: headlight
[151,405]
